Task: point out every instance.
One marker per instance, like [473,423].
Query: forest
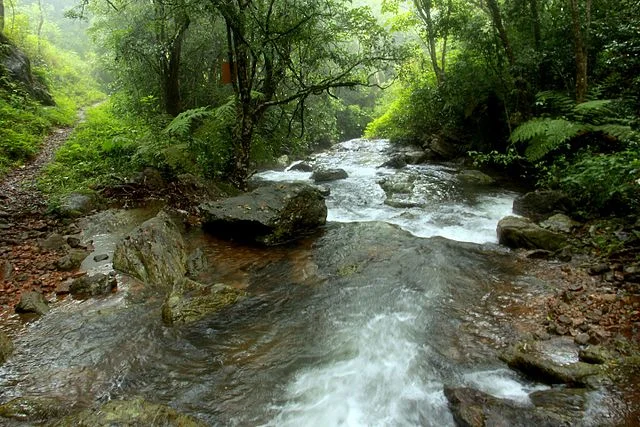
[546,91]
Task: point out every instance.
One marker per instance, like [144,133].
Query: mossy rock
[34,409]
[191,301]
[135,412]
[6,347]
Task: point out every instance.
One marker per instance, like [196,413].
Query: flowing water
[361,325]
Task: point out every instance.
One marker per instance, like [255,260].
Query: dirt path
[24,264]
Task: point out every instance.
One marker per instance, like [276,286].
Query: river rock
[53,242]
[34,409]
[327,175]
[595,354]
[196,263]
[98,284]
[134,412]
[301,167]
[399,183]
[539,205]
[474,177]
[272,214]
[474,408]
[444,148]
[535,359]
[76,205]
[191,301]
[560,223]
[150,178]
[32,302]
[516,232]
[398,161]
[567,404]
[6,347]
[72,260]
[154,253]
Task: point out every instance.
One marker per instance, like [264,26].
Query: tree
[285,51]
[580,46]
[425,9]
[1,15]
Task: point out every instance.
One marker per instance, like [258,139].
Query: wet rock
[581,339]
[6,348]
[542,204]
[517,232]
[594,354]
[34,409]
[535,362]
[598,269]
[327,175]
[398,161]
[631,273]
[73,242]
[271,215]
[538,254]
[565,254]
[77,204]
[101,257]
[32,302]
[444,148]
[474,177]
[301,167]
[134,412]
[324,190]
[99,284]
[398,183]
[568,404]
[196,263]
[191,301]
[154,253]
[72,260]
[54,242]
[474,408]
[560,223]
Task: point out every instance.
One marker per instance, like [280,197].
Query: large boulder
[16,66]
[326,175]
[444,148]
[540,205]
[536,360]
[32,302]
[76,205]
[190,301]
[475,177]
[135,412]
[474,408]
[154,253]
[516,232]
[273,214]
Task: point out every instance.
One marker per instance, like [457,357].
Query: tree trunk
[424,10]
[580,50]
[1,15]
[496,18]
[535,18]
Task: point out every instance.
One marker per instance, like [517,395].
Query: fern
[621,132]
[593,111]
[554,103]
[182,124]
[545,135]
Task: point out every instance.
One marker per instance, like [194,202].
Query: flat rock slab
[271,215]
[516,232]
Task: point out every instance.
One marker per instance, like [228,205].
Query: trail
[24,265]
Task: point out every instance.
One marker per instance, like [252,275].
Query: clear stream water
[360,325]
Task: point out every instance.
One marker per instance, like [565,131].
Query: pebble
[101,257]
[582,339]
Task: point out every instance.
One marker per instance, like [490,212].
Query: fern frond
[593,111]
[620,132]
[545,135]
[554,103]
[182,123]
[227,111]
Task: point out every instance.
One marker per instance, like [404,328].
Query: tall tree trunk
[496,18]
[424,10]
[580,48]
[535,19]
[1,15]
[171,72]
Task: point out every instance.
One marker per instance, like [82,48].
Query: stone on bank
[271,215]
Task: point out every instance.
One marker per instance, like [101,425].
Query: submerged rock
[34,409]
[154,253]
[326,175]
[474,177]
[32,302]
[6,347]
[72,260]
[272,214]
[542,204]
[135,412]
[474,408]
[517,232]
[191,301]
[539,364]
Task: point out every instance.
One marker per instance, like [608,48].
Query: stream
[362,324]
